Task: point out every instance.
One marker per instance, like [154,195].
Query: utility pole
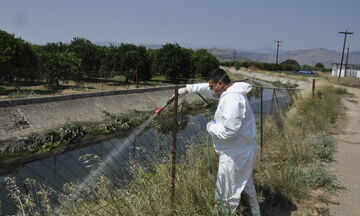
[347,60]
[342,55]
[277,49]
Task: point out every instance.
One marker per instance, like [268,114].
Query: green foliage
[321,146]
[316,114]
[115,123]
[58,66]
[318,176]
[17,59]
[204,62]
[81,59]
[341,90]
[319,65]
[290,65]
[127,60]
[307,67]
[174,62]
[295,154]
[87,52]
[23,94]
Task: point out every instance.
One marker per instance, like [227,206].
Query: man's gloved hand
[182,91]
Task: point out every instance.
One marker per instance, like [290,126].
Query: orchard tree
[133,60]
[87,52]
[205,62]
[173,61]
[307,67]
[17,59]
[126,60]
[290,65]
[319,65]
[59,47]
[56,66]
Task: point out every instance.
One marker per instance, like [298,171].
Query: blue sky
[240,24]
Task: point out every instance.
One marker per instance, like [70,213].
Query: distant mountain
[106,43]
[355,53]
[266,54]
[151,46]
[266,50]
[308,56]
[148,45]
[227,54]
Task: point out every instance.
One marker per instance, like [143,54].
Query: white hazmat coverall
[233,132]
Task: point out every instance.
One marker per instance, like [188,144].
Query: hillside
[308,57]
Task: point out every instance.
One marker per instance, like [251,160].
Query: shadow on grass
[50,90]
[25,83]
[274,204]
[9,92]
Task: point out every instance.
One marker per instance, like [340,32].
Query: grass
[344,81]
[294,165]
[22,94]
[296,156]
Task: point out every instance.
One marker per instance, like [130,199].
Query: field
[40,89]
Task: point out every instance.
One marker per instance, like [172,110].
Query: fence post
[313,88]
[277,104]
[272,101]
[261,122]
[173,151]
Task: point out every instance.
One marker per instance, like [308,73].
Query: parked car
[306,72]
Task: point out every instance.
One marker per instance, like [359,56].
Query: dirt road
[347,165]
[301,84]
[347,158]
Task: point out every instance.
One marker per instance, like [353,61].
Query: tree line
[81,59]
[288,65]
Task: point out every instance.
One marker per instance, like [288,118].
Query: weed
[340,90]
[23,94]
[346,81]
[319,177]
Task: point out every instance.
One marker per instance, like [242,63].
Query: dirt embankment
[20,118]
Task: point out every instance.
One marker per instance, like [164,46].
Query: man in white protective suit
[233,131]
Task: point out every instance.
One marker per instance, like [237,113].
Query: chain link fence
[54,185]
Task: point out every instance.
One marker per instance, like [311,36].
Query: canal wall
[22,117]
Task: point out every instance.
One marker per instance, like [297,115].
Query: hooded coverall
[233,132]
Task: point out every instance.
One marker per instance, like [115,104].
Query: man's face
[216,87]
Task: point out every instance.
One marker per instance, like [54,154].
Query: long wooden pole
[173,151]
